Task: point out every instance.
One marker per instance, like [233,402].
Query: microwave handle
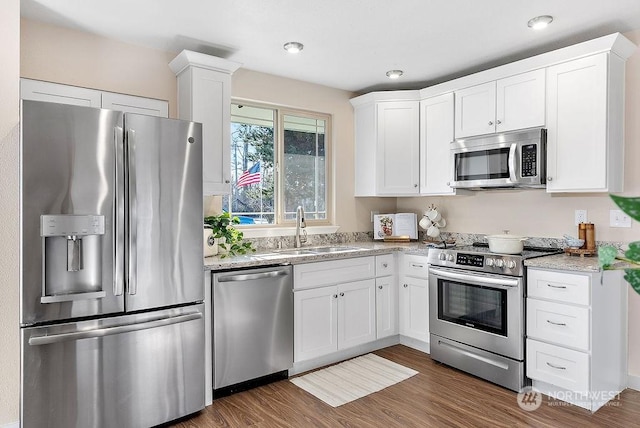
[514,163]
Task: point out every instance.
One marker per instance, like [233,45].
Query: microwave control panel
[528,161]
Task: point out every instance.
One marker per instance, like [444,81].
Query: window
[279,160]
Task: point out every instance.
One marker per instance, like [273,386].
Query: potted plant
[228,238]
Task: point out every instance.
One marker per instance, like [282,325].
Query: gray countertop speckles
[565,262]
[365,249]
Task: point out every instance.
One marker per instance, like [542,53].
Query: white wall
[9,211]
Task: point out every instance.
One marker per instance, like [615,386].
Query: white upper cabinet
[515,102]
[397,149]
[131,104]
[436,134]
[37,90]
[204,95]
[476,110]
[386,145]
[585,112]
[65,94]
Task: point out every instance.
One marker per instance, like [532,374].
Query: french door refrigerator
[111,316]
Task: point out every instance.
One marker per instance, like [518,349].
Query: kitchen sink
[333,249]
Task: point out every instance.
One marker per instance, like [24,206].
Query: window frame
[280,112]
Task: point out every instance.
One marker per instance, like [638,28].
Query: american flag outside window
[250,176]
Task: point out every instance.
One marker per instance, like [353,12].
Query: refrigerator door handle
[132,286]
[108,331]
[118,253]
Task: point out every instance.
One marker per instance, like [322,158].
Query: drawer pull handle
[563,324]
[555,367]
[417,266]
[556,286]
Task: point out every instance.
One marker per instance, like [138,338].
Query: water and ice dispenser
[71,257]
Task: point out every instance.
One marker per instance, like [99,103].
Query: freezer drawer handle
[108,331]
[252,276]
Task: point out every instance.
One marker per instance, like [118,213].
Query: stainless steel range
[476,311]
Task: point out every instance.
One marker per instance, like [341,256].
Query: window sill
[263,232]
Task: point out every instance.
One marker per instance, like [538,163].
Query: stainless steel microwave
[510,159]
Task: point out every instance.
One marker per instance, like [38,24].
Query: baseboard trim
[345,354]
[415,344]
[633,382]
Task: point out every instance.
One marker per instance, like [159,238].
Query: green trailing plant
[229,238]
[607,255]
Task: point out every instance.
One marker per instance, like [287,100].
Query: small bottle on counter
[590,240]
[582,234]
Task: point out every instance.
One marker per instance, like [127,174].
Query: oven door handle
[475,278]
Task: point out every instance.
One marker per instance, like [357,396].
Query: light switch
[618,218]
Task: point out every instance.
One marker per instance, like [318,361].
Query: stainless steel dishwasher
[252,327]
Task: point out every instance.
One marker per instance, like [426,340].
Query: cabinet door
[475,110]
[205,96]
[414,308]
[133,104]
[436,132]
[520,101]
[397,171]
[386,307]
[315,322]
[577,125]
[37,90]
[356,313]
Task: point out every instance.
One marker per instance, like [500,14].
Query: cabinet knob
[335,296]
[549,178]
[380,287]
[490,123]
[415,185]
[405,285]
[227,181]
[498,122]
[341,294]
[384,265]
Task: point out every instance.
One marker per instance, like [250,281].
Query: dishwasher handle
[253,276]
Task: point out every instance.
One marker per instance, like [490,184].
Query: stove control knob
[490,262]
[499,263]
[511,264]
[442,256]
[450,257]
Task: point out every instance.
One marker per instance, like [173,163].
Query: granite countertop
[271,257]
[565,262]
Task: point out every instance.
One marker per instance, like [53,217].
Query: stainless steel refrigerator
[111,314]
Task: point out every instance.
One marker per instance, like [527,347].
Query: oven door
[482,310]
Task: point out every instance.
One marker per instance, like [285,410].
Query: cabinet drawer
[415,266]
[558,323]
[385,265]
[560,286]
[310,275]
[558,366]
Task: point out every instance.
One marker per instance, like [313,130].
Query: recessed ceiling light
[540,22]
[394,74]
[293,47]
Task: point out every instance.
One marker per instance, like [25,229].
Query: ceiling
[348,44]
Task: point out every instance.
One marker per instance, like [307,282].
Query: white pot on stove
[506,243]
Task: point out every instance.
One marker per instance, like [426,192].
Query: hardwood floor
[438,396]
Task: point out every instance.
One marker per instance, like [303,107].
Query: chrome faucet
[300,226]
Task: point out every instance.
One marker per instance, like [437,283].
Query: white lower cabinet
[577,335]
[413,295]
[331,312]
[386,296]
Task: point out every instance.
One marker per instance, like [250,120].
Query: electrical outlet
[618,218]
[581,216]
[374,213]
